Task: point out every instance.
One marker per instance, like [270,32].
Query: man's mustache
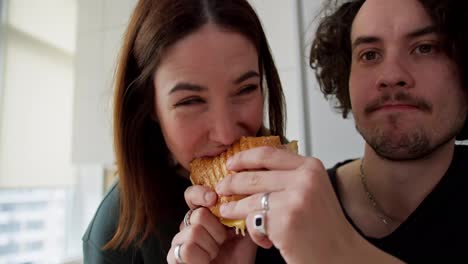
[398,98]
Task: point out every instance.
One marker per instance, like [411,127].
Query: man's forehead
[384,18]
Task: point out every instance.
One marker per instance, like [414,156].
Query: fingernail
[210,197]
[219,186]
[228,163]
[222,209]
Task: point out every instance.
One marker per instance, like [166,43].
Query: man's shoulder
[462,149]
[459,162]
[332,171]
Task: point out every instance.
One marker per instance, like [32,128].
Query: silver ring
[177,254]
[265,201]
[260,223]
[187,218]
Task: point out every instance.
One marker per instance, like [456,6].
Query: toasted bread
[209,171]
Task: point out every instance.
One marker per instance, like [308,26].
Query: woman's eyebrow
[245,76]
[187,87]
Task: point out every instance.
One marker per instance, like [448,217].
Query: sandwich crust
[209,171]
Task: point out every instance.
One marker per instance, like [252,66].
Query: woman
[192,79]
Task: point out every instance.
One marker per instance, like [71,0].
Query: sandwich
[209,171]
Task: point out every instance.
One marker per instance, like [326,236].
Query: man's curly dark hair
[330,54]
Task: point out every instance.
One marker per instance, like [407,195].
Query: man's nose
[224,126]
[394,73]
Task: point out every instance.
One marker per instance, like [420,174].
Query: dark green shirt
[101,230]
[154,250]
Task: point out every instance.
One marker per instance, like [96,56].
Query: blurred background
[57,61]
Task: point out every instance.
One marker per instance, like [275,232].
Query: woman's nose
[224,127]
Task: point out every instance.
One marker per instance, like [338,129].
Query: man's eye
[248,89]
[189,102]
[424,48]
[369,56]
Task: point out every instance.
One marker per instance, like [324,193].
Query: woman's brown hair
[147,181]
[330,54]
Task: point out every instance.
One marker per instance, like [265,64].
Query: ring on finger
[187,218]
[177,255]
[265,201]
[260,222]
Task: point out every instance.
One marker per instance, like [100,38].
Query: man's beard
[412,145]
[415,143]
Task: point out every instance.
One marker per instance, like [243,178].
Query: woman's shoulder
[104,223]
[103,227]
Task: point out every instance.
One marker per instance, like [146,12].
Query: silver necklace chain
[380,212]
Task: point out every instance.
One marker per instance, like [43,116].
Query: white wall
[333,139]
[280,22]
[35,136]
[46,20]
[101,24]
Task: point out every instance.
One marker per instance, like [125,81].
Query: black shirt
[437,231]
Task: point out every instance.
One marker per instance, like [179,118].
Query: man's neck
[400,186]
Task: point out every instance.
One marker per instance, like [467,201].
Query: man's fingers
[250,182]
[264,158]
[242,208]
[258,238]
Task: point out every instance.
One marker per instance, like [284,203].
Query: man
[400,67]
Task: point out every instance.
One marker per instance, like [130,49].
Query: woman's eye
[248,89]
[369,56]
[190,101]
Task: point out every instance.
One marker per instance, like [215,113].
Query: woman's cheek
[188,136]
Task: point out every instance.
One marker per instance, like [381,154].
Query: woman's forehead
[207,55]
